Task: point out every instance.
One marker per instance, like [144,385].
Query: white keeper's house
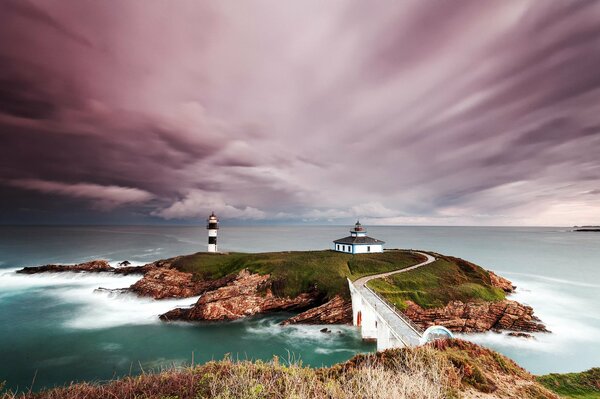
[358,242]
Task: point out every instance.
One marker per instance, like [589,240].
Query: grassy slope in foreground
[298,271]
[584,385]
[447,279]
[444,369]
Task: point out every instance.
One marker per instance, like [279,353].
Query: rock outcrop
[477,316]
[248,294]
[95,266]
[160,283]
[337,311]
[501,282]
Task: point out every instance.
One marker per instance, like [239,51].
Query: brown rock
[94,266]
[164,282]
[477,317]
[501,282]
[247,295]
[336,311]
[519,334]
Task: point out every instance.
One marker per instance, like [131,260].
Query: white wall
[363,249]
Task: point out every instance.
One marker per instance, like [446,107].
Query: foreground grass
[434,285]
[299,271]
[443,369]
[584,385]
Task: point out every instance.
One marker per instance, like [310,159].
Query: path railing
[397,311]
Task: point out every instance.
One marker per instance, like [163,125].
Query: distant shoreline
[587,228]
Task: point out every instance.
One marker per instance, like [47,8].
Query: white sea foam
[558,310]
[550,279]
[115,263]
[92,309]
[329,351]
[301,333]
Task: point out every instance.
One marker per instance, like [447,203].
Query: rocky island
[450,292]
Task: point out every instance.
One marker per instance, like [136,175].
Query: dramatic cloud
[425,112]
[198,204]
[103,197]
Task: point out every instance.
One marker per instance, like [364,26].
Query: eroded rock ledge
[248,294]
[477,317]
[337,311]
[162,282]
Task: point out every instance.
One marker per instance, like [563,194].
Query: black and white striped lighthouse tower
[212,225]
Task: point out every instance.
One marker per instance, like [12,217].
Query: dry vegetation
[444,369]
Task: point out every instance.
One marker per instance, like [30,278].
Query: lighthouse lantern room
[212,225]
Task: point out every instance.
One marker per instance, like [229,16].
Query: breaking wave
[90,309]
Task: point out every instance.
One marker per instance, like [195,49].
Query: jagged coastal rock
[501,282]
[248,294]
[94,266]
[161,283]
[337,311]
[477,317]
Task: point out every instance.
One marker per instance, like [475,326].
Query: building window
[369,249]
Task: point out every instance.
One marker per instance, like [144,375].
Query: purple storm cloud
[412,112]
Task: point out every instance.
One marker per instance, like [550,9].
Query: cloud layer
[461,112]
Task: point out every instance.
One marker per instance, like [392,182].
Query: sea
[56,328]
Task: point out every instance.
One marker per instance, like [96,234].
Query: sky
[400,113]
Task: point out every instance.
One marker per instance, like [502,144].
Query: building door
[359,318]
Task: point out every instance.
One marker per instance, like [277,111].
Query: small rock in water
[325,330]
[519,335]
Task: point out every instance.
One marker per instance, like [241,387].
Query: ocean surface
[55,329]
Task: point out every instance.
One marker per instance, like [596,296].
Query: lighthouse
[212,225]
[358,242]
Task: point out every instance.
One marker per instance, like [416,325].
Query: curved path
[364,280]
[402,327]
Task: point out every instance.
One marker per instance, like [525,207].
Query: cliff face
[336,311]
[477,317]
[248,294]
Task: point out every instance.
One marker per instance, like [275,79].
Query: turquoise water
[56,328]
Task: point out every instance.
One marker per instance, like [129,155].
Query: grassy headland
[298,271]
[584,385]
[443,369]
[447,279]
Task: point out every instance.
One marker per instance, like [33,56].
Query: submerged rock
[248,294]
[519,334]
[337,311]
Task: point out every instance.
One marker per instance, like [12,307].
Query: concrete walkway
[400,324]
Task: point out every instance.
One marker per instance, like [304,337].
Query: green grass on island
[299,271]
[326,271]
[584,385]
[434,285]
